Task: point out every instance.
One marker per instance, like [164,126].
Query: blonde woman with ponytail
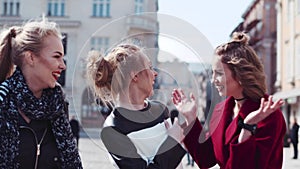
[246,130]
[35,131]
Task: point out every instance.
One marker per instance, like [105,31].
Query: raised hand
[187,107]
[266,108]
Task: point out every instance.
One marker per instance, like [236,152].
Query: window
[298,7]
[139,6]
[100,43]
[56,8]
[101,8]
[290,60]
[10,7]
[297,58]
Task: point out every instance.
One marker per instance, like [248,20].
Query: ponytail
[6,61]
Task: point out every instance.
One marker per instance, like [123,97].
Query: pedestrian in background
[246,130]
[75,129]
[294,137]
[35,129]
[190,160]
[136,133]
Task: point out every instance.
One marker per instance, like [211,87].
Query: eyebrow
[57,52]
[219,70]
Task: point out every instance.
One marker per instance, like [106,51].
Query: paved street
[94,155]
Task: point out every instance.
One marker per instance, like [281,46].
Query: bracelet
[250,127]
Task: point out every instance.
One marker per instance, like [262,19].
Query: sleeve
[125,155]
[264,149]
[202,153]
[3,91]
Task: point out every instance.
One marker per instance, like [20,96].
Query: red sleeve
[264,149]
[202,153]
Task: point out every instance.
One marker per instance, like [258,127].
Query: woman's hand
[266,108]
[187,107]
[175,131]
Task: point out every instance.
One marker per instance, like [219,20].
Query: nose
[213,79]
[155,73]
[62,64]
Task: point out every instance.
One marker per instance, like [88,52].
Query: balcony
[143,23]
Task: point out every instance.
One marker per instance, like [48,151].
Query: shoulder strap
[3,90]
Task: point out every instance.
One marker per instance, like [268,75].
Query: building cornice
[16,21]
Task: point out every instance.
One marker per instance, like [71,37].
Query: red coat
[261,151]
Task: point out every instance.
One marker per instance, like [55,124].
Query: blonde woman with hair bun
[137,134]
[246,130]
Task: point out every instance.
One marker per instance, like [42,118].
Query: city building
[259,21]
[274,29]
[88,25]
[288,57]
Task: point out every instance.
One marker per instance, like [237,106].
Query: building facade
[259,21]
[88,25]
[274,28]
[288,56]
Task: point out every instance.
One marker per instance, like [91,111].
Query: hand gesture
[175,131]
[266,108]
[187,107]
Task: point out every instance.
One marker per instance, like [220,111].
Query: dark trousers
[77,140]
[190,159]
[295,145]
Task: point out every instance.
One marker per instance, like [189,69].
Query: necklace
[240,99]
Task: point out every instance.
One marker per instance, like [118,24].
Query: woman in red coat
[246,130]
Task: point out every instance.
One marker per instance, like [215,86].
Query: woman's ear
[29,58]
[133,76]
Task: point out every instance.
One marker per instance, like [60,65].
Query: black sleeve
[125,153]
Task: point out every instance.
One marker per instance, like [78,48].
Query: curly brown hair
[244,64]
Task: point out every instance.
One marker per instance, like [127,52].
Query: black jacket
[130,136]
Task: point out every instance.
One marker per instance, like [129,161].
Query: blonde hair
[244,64]
[18,39]
[109,76]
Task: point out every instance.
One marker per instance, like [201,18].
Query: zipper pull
[38,149]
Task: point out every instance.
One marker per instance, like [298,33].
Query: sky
[215,19]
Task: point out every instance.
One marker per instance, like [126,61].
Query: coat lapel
[219,122]
[232,129]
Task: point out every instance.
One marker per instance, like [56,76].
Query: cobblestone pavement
[94,156]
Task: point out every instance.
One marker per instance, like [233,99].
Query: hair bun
[240,37]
